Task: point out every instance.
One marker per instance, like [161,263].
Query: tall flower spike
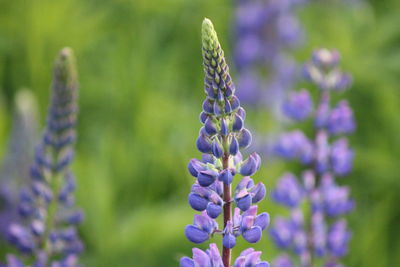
[15,166]
[323,158]
[220,139]
[48,235]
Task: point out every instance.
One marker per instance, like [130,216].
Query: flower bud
[203,145]
[237,123]
[225,176]
[244,138]
[250,165]
[233,146]
[217,149]
[197,202]
[229,240]
[195,234]
[210,127]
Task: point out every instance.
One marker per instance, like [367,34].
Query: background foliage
[141,93]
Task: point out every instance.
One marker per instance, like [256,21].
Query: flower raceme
[220,139]
[323,160]
[49,235]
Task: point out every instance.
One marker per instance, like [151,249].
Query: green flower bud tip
[65,67]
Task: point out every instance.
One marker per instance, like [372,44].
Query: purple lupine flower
[338,238]
[316,237]
[288,191]
[335,199]
[265,31]
[298,106]
[14,171]
[48,234]
[220,140]
[341,119]
[294,145]
[341,157]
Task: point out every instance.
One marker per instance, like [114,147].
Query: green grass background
[141,92]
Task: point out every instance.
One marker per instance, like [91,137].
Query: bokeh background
[141,84]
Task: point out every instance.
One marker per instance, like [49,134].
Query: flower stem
[226,253]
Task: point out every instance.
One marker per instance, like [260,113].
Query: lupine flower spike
[220,140]
[325,155]
[265,32]
[15,166]
[49,237]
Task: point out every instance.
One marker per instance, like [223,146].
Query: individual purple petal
[258,192]
[213,210]
[244,203]
[244,138]
[247,223]
[242,113]
[195,166]
[207,177]
[197,202]
[217,109]
[225,176]
[217,149]
[234,146]
[203,144]
[253,235]
[250,165]
[253,258]
[235,103]
[215,256]
[237,123]
[195,234]
[224,127]
[262,220]
[229,240]
[203,117]
[201,258]
[208,106]
[210,127]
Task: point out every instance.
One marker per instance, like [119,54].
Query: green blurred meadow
[141,89]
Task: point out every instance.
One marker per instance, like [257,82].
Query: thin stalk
[226,252]
[55,180]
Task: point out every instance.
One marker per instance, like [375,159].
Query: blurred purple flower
[319,191]
[14,171]
[265,30]
[48,234]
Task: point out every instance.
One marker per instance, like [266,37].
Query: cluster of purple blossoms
[48,236]
[324,157]
[220,139]
[265,30]
[15,166]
